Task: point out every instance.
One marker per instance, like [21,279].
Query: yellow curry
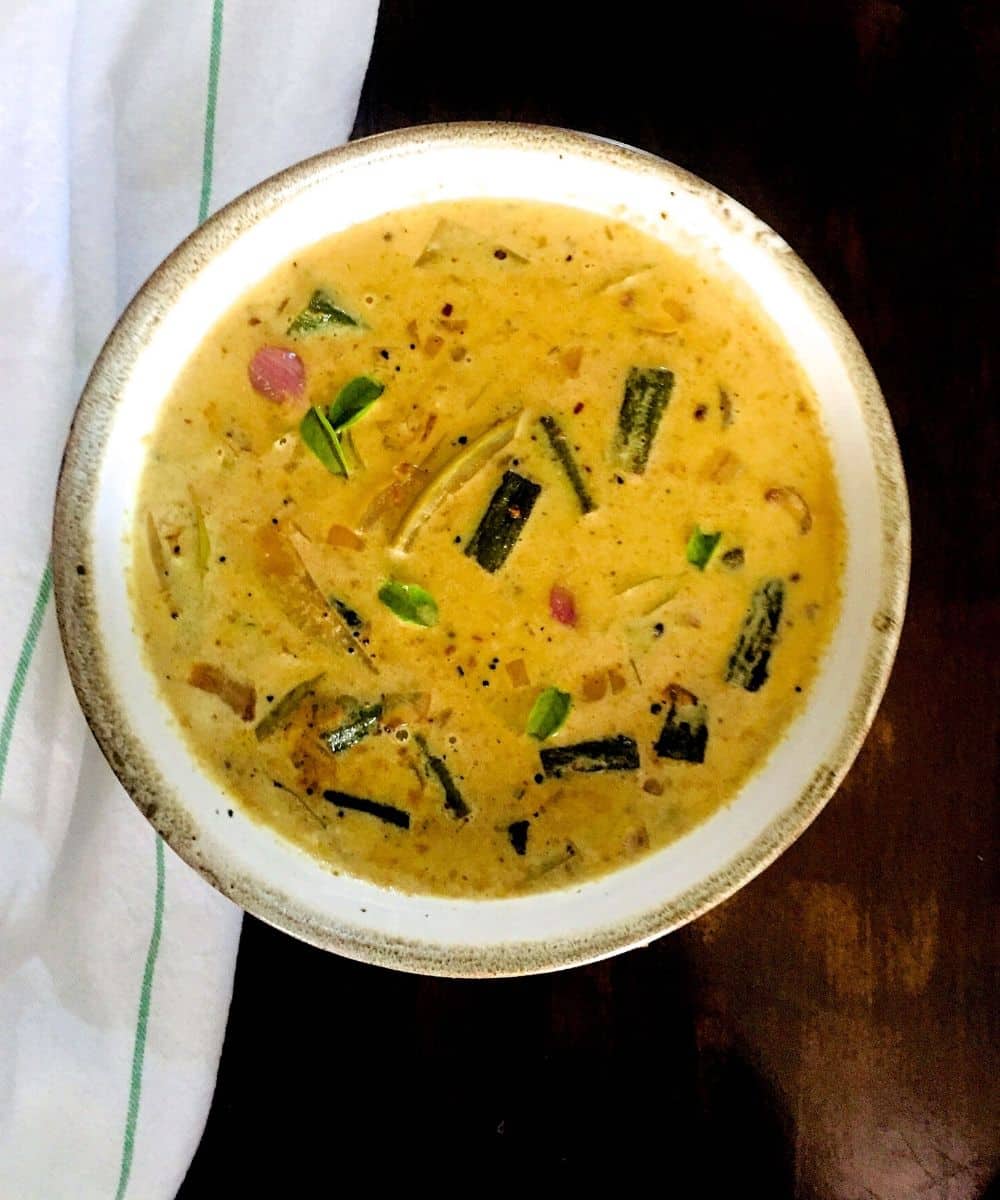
[486,547]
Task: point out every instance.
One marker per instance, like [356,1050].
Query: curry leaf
[410,602]
[321,313]
[321,438]
[548,713]
[353,400]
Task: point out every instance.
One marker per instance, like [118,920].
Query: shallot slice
[277,373]
[793,503]
[241,697]
[561,605]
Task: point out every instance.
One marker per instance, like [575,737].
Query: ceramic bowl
[248,862]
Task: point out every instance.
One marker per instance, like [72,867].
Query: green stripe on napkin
[23,666]
[145,995]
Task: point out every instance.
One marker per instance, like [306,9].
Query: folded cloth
[122,124]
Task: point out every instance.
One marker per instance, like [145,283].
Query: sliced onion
[792,501]
[277,373]
[562,605]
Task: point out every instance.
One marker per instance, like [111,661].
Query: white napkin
[121,122]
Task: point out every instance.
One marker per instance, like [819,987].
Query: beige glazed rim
[250,863]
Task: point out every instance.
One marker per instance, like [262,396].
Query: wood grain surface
[831,1031]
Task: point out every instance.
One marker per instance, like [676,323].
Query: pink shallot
[277,373]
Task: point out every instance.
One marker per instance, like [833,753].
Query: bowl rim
[79,623]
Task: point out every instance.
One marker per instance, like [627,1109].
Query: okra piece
[684,735]
[647,394]
[618,753]
[748,663]
[501,524]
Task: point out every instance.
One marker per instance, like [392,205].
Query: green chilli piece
[617,753]
[501,524]
[564,454]
[322,315]
[353,400]
[548,713]
[748,663]
[286,707]
[646,396]
[319,435]
[410,602]
[364,722]
[701,547]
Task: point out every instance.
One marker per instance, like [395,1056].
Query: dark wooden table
[832,1030]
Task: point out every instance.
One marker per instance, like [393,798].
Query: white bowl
[247,861]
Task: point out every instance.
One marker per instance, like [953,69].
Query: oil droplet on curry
[486,547]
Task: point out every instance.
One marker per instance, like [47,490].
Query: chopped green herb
[618,753]
[701,547]
[685,732]
[517,832]
[364,722]
[385,812]
[647,394]
[548,713]
[410,602]
[353,400]
[454,801]
[564,453]
[747,666]
[286,707]
[321,438]
[321,314]
[501,524]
